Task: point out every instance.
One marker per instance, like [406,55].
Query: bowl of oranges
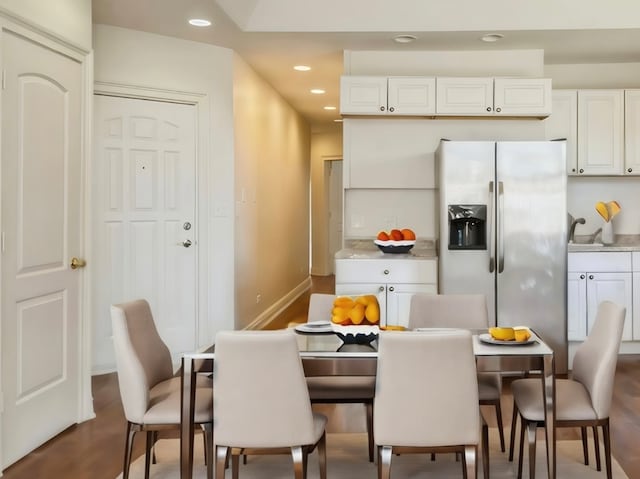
[396,241]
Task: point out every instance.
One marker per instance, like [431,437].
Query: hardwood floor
[94,449]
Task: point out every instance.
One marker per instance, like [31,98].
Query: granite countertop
[367,249]
[621,243]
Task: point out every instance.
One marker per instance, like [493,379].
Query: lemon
[502,334]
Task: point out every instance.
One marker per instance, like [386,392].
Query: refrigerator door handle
[500,227]
[492,233]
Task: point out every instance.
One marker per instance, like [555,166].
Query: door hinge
[4,77]
[1,402]
[2,242]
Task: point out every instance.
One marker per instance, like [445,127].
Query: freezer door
[466,174]
[531,240]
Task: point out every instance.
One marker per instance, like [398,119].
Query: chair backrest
[467,311]
[261,396]
[142,358]
[426,389]
[594,364]
[320,306]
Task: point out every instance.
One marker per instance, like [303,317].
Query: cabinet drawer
[618,261]
[386,271]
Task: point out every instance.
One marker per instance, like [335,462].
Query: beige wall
[69,20]
[151,61]
[272,143]
[324,147]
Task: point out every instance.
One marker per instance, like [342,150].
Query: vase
[607,233]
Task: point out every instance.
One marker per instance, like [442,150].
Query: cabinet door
[616,287]
[399,301]
[522,96]
[363,95]
[632,132]
[563,123]
[359,289]
[411,96]
[600,132]
[577,306]
[464,96]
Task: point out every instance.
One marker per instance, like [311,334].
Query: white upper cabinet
[365,95]
[494,97]
[600,132]
[632,132]
[563,123]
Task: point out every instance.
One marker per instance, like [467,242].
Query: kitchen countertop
[621,243]
[367,249]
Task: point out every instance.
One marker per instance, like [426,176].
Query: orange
[396,235]
[383,236]
[408,234]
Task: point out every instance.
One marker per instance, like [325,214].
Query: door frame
[202,137]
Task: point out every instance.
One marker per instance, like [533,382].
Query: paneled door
[145,240]
[41,232]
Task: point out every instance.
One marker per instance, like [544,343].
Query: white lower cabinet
[393,282]
[593,278]
[636,295]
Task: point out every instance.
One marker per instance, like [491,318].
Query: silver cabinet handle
[629,170]
[590,276]
[391,288]
[382,108]
[392,109]
[186,243]
[582,276]
[386,271]
[381,288]
[488,108]
[498,109]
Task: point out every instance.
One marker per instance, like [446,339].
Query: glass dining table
[324,354]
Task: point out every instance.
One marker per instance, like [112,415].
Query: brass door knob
[77,263]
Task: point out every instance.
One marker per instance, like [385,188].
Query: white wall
[146,60]
[272,144]
[69,20]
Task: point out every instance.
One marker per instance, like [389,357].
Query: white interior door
[41,205]
[144,184]
[335,211]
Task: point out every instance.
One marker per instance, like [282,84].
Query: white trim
[279,306]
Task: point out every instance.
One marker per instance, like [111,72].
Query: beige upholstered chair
[421,406]
[466,311]
[582,401]
[149,391]
[262,403]
[337,389]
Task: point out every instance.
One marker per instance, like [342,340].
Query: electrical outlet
[258,298]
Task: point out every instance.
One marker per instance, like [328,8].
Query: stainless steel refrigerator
[503,232]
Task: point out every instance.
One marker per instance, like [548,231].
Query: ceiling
[274,35]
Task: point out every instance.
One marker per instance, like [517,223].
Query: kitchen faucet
[572,228]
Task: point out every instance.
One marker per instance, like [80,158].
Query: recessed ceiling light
[329,107]
[302,68]
[317,91]
[404,38]
[492,37]
[199,22]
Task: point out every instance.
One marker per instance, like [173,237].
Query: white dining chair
[467,311]
[149,390]
[583,400]
[422,407]
[262,402]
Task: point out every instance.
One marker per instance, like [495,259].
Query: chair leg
[514,420]
[298,462]
[128,449]
[322,455]
[500,427]
[222,455]
[470,462]
[154,439]
[596,443]
[607,448]
[235,465]
[384,462]
[585,451]
[207,435]
[531,439]
[523,426]
[147,454]
[369,411]
[485,451]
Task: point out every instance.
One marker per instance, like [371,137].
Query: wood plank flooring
[94,449]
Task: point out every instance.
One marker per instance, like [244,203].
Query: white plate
[324,328]
[486,338]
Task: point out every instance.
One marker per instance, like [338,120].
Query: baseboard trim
[279,306]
